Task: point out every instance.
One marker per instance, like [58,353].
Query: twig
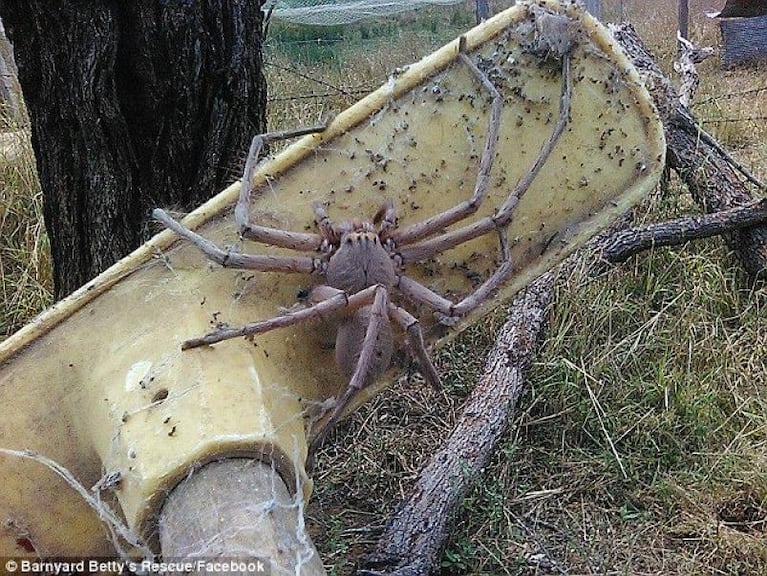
[689,56]
[624,244]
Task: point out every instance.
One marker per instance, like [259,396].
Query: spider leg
[337,301]
[480,295]
[360,376]
[387,217]
[227,259]
[264,234]
[466,208]
[325,224]
[447,311]
[415,338]
[429,248]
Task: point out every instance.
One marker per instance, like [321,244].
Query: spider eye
[302,294]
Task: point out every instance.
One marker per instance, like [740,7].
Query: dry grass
[669,351]
[642,440]
[25,267]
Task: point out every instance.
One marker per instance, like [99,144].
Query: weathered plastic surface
[99,383]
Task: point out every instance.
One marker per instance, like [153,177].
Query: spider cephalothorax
[357,264]
[358,253]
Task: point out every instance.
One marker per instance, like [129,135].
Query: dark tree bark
[626,243]
[133,105]
[743,9]
[482,10]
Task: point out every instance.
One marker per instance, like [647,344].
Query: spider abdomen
[349,339]
[359,262]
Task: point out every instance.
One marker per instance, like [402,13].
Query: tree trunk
[744,41]
[8,92]
[482,10]
[133,105]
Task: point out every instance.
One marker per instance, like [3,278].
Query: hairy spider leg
[502,217]
[416,346]
[325,224]
[449,312]
[362,369]
[303,241]
[228,259]
[436,223]
[320,311]
[387,218]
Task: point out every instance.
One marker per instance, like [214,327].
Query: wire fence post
[684,19]
[483,10]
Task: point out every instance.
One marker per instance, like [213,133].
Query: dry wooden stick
[624,244]
[413,539]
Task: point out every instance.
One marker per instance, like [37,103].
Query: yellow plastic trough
[99,383]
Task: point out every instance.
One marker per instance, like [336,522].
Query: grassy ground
[640,447]
[25,265]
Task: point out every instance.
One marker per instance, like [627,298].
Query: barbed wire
[310,78]
[357,92]
[731,95]
[728,120]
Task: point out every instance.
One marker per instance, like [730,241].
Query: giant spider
[359,262]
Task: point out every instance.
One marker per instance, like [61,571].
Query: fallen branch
[689,56]
[624,244]
[412,541]
[708,170]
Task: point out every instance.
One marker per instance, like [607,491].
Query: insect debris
[359,263]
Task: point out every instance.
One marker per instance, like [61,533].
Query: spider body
[350,335]
[359,263]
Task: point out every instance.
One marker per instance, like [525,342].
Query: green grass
[641,442]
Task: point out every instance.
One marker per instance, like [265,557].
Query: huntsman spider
[358,263]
